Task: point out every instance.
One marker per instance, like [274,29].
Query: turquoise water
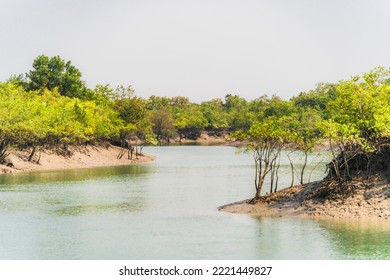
[167,210]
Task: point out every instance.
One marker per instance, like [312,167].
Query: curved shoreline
[366,201]
[85,156]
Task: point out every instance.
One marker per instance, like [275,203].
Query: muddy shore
[359,200]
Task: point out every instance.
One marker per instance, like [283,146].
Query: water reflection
[90,191]
[71,175]
[132,206]
[359,239]
[292,238]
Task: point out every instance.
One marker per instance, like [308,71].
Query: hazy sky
[202,49]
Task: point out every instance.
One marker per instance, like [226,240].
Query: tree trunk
[272,180]
[39,157]
[3,151]
[292,170]
[121,153]
[304,166]
[259,187]
[131,151]
[32,154]
[277,176]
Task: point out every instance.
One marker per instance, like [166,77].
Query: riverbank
[82,156]
[321,199]
[203,138]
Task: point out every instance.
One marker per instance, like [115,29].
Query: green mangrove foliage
[35,118]
[353,115]
[359,125]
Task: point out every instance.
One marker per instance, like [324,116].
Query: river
[167,210]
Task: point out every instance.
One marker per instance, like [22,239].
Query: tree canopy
[50,73]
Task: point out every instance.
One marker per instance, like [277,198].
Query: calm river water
[166,210]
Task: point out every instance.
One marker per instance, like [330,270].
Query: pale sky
[202,49]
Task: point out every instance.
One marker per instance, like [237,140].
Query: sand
[72,157]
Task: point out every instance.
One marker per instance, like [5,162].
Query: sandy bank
[72,157]
[321,200]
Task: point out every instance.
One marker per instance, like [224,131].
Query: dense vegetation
[51,105]
[353,115]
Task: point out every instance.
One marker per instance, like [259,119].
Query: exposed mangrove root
[3,152]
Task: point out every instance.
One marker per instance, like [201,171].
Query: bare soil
[356,199]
